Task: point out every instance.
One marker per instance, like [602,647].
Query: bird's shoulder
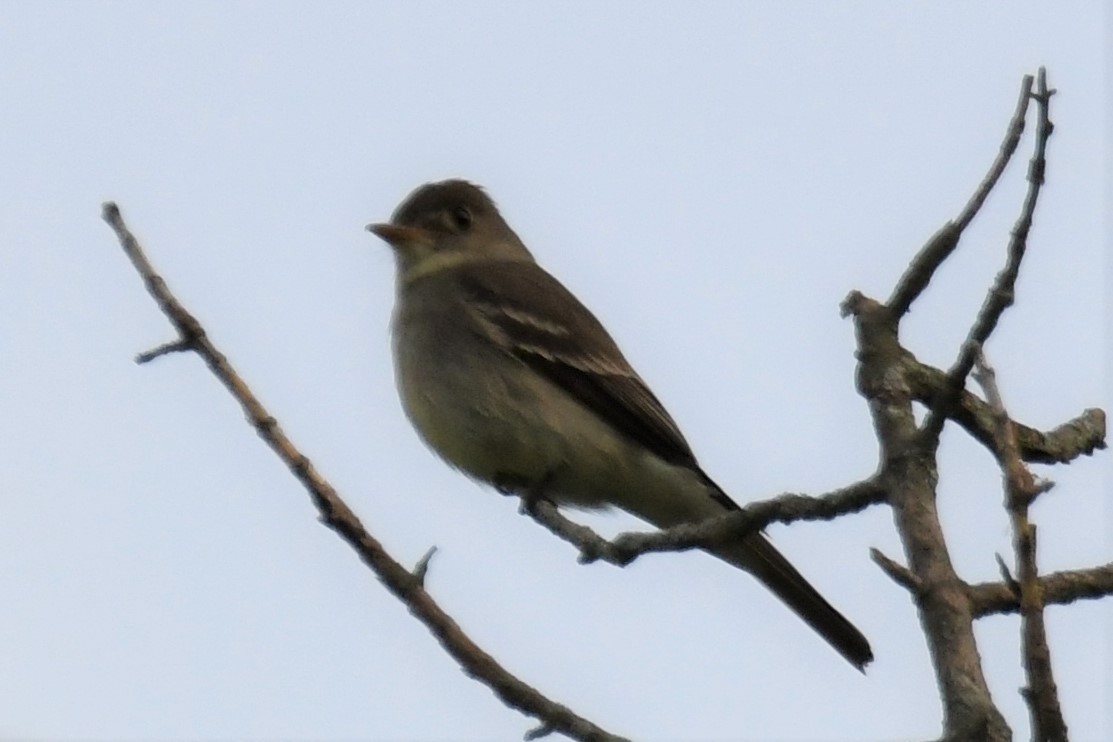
[536,318]
[536,313]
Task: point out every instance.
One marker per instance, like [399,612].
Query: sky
[710,179]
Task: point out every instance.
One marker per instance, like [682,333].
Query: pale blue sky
[712,180]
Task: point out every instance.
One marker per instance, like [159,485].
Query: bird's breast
[474,404]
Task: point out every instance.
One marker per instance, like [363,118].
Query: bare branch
[339,517]
[592,546]
[1080,436]
[897,571]
[1057,588]
[1007,576]
[538,733]
[920,271]
[176,346]
[1008,148]
[909,474]
[890,378]
[1000,296]
[786,508]
[421,569]
[1021,489]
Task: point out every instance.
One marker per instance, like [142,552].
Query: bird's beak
[398,236]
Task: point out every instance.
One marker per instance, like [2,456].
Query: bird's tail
[757,555]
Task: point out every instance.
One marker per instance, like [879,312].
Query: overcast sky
[711,180]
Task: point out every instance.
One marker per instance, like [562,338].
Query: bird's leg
[530,493]
[535,493]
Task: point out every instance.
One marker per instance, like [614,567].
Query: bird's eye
[461,217]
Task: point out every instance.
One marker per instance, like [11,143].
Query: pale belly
[499,421]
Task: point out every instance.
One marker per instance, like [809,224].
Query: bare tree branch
[338,516]
[786,508]
[1080,436]
[920,271]
[908,452]
[1000,296]
[909,474]
[1021,489]
[890,378]
[1058,588]
[899,574]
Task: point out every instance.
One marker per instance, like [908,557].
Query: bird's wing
[536,319]
[540,322]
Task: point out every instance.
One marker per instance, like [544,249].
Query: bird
[510,379]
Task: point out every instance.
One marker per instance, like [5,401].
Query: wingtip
[860,656]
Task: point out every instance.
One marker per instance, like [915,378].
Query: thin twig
[175,346]
[1000,295]
[922,268]
[1007,576]
[897,572]
[421,569]
[1008,148]
[339,517]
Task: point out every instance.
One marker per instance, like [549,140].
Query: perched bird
[510,379]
